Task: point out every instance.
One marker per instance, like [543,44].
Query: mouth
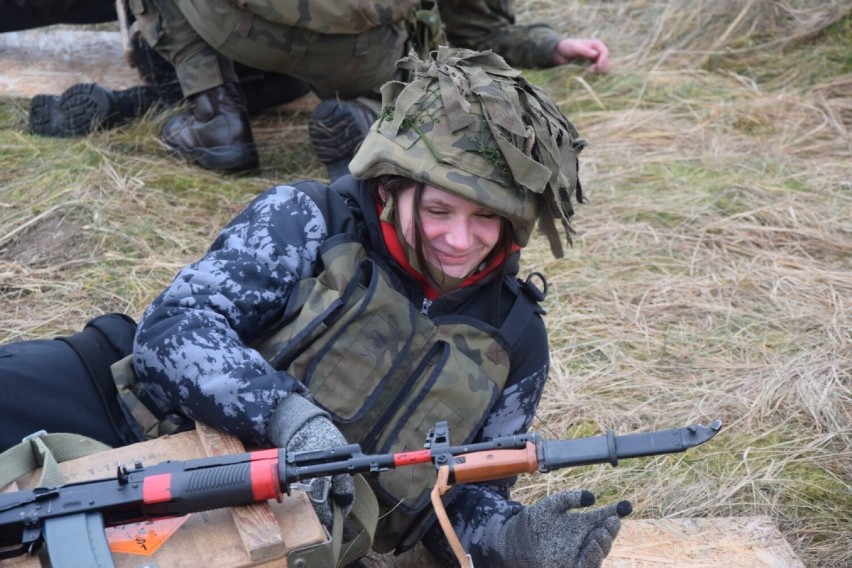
[452,259]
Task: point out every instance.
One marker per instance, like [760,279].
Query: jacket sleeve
[191,349]
[479,510]
[490,24]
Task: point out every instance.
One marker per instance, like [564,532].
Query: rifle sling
[45,451]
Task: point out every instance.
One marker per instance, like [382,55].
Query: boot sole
[336,133]
[88,107]
[80,110]
[44,115]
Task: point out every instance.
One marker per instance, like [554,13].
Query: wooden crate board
[747,542]
[254,536]
[730,542]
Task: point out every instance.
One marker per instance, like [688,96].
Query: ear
[383,194]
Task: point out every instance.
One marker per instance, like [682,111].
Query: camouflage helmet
[469,124]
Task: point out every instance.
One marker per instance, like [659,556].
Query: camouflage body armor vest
[385,372]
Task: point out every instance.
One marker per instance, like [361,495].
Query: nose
[459,235]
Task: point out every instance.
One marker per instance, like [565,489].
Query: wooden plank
[731,542]
[747,542]
[49,60]
[256,524]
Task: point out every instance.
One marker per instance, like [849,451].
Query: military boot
[86,107]
[216,132]
[337,128]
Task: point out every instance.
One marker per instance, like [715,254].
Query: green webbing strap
[362,519]
[140,406]
[45,451]
[336,532]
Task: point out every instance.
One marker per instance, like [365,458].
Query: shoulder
[525,297]
[523,326]
[304,203]
[341,203]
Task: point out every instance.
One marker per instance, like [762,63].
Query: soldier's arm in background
[490,24]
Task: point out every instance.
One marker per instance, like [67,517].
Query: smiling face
[457,235]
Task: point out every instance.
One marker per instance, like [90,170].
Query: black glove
[298,425]
[547,535]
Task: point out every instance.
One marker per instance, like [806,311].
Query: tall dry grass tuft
[711,275]
[712,269]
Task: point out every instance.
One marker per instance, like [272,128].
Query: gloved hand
[547,535]
[298,425]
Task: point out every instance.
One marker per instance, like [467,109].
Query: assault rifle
[71,518]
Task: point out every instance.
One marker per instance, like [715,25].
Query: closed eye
[486,215]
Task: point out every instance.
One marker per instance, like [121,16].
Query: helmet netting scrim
[470,124]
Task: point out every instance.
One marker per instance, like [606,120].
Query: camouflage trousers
[202,38]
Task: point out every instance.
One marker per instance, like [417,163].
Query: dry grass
[711,275]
